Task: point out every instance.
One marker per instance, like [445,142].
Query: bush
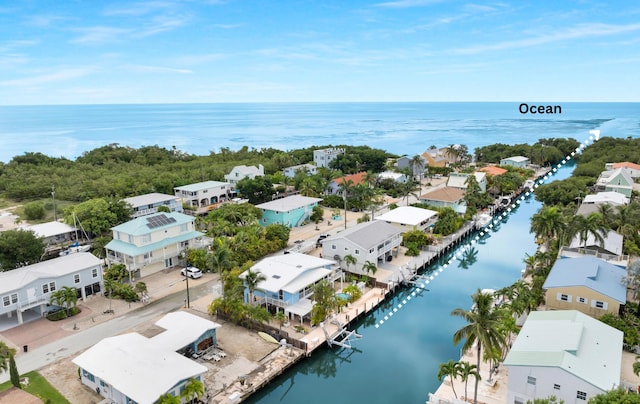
[34,211]
[62,314]
[126,292]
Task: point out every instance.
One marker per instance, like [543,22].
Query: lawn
[39,386]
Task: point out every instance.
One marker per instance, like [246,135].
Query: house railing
[586,251]
[32,302]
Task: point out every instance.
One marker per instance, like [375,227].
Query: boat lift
[342,337]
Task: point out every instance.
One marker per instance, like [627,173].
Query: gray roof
[612,242]
[590,272]
[149,199]
[199,186]
[289,203]
[368,234]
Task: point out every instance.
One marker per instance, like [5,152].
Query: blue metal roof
[590,272]
[141,226]
[133,250]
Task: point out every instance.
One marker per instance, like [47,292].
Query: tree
[95,215]
[168,398]
[257,190]
[344,188]
[548,224]
[66,297]
[349,260]
[252,279]
[325,302]
[34,211]
[465,370]
[417,167]
[584,226]
[5,354]
[482,327]
[13,372]
[281,318]
[193,389]
[636,366]
[18,248]
[370,267]
[451,369]
[619,395]
[317,213]
[140,288]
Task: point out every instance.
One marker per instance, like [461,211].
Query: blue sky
[162,51]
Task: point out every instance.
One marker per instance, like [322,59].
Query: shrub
[34,211]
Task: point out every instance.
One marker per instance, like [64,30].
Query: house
[616,180]
[407,218]
[515,161]
[290,281]
[204,196]
[241,172]
[26,291]
[334,186]
[290,211]
[151,243]
[148,204]
[591,203]
[493,171]
[376,241]
[446,197]
[565,354]
[393,176]
[587,284]
[611,245]
[460,180]
[632,168]
[52,233]
[290,172]
[435,158]
[405,162]
[132,368]
[322,157]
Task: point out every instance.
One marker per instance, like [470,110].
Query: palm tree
[482,328]
[548,224]
[407,189]
[465,369]
[252,279]
[583,226]
[349,260]
[65,297]
[369,266]
[193,389]
[608,215]
[417,165]
[345,187]
[451,369]
[5,354]
[168,398]
[281,318]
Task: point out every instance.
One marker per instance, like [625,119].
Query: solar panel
[159,220]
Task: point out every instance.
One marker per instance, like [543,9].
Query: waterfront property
[241,172]
[52,233]
[376,241]
[632,168]
[290,172]
[461,180]
[290,211]
[334,186]
[616,180]
[493,171]
[151,243]
[590,203]
[204,196]
[289,283]
[29,288]
[148,204]
[515,161]
[611,245]
[566,354]
[446,197]
[322,157]
[587,284]
[407,218]
[132,368]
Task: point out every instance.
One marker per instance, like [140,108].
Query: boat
[504,202]
[267,337]
[75,248]
[482,220]
[528,185]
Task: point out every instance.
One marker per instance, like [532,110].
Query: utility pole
[53,195]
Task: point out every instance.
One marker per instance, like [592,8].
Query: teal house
[291,211]
[618,180]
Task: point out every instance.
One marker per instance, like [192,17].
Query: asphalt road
[73,344]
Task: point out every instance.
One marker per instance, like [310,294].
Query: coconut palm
[345,188]
[349,260]
[584,226]
[369,266]
[465,370]
[482,328]
[252,279]
[548,224]
[193,389]
[5,354]
[451,369]
[66,297]
[168,398]
[417,166]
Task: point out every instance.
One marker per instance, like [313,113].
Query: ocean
[400,128]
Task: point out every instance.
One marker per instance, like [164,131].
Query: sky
[183,51]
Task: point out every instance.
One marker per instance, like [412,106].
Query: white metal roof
[49,229]
[368,234]
[149,199]
[137,367]
[200,186]
[182,328]
[517,159]
[610,197]
[17,278]
[288,203]
[409,215]
[580,345]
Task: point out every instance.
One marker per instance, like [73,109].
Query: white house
[322,157]
[207,195]
[446,197]
[375,241]
[632,168]
[407,218]
[515,161]
[290,281]
[148,204]
[616,180]
[290,172]
[393,176]
[132,368]
[52,232]
[460,180]
[151,243]
[241,172]
[563,353]
[26,291]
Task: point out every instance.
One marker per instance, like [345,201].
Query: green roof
[150,223]
[132,250]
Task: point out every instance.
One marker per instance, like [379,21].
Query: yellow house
[587,284]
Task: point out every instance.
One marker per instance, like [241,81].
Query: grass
[39,386]
[47,202]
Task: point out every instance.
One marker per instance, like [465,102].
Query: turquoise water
[398,362]
[342,296]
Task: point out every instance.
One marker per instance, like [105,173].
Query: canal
[398,362]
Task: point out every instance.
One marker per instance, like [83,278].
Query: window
[130,239]
[556,387]
[582,300]
[45,288]
[76,278]
[563,297]
[357,252]
[333,246]
[600,305]
[581,395]
[88,375]
[531,380]
[6,301]
[184,227]
[48,287]
[146,238]
[94,273]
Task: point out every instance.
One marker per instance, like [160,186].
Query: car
[191,272]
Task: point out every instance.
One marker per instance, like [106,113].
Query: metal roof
[368,234]
[147,224]
[149,199]
[409,215]
[288,203]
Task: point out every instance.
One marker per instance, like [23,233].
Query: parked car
[191,272]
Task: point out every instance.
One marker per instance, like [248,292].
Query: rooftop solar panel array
[159,220]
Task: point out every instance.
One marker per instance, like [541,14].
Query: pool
[343,296]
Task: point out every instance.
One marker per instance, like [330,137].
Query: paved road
[71,345]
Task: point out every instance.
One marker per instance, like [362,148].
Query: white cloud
[191,60]
[60,75]
[139,8]
[8,46]
[43,20]
[99,34]
[156,69]
[406,3]
[161,24]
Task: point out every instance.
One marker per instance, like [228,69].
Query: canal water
[398,362]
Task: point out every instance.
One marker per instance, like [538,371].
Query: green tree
[354,292]
[584,226]
[140,288]
[18,248]
[451,369]
[482,327]
[344,188]
[168,398]
[193,390]
[13,372]
[34,211]
[281,318]
[325,302]
[252,280]
[349,260]
[256,190]
[448,222]
[466,370]
[317,214]
[5,354]
[548,224]
[66,297]
[549,400]
[619,396]
[370,267]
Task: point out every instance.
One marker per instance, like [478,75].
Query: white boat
[482,220]
[75,248]
[528,185]
[504,202]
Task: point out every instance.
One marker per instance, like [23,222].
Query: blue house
[291,211]
[515,161]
